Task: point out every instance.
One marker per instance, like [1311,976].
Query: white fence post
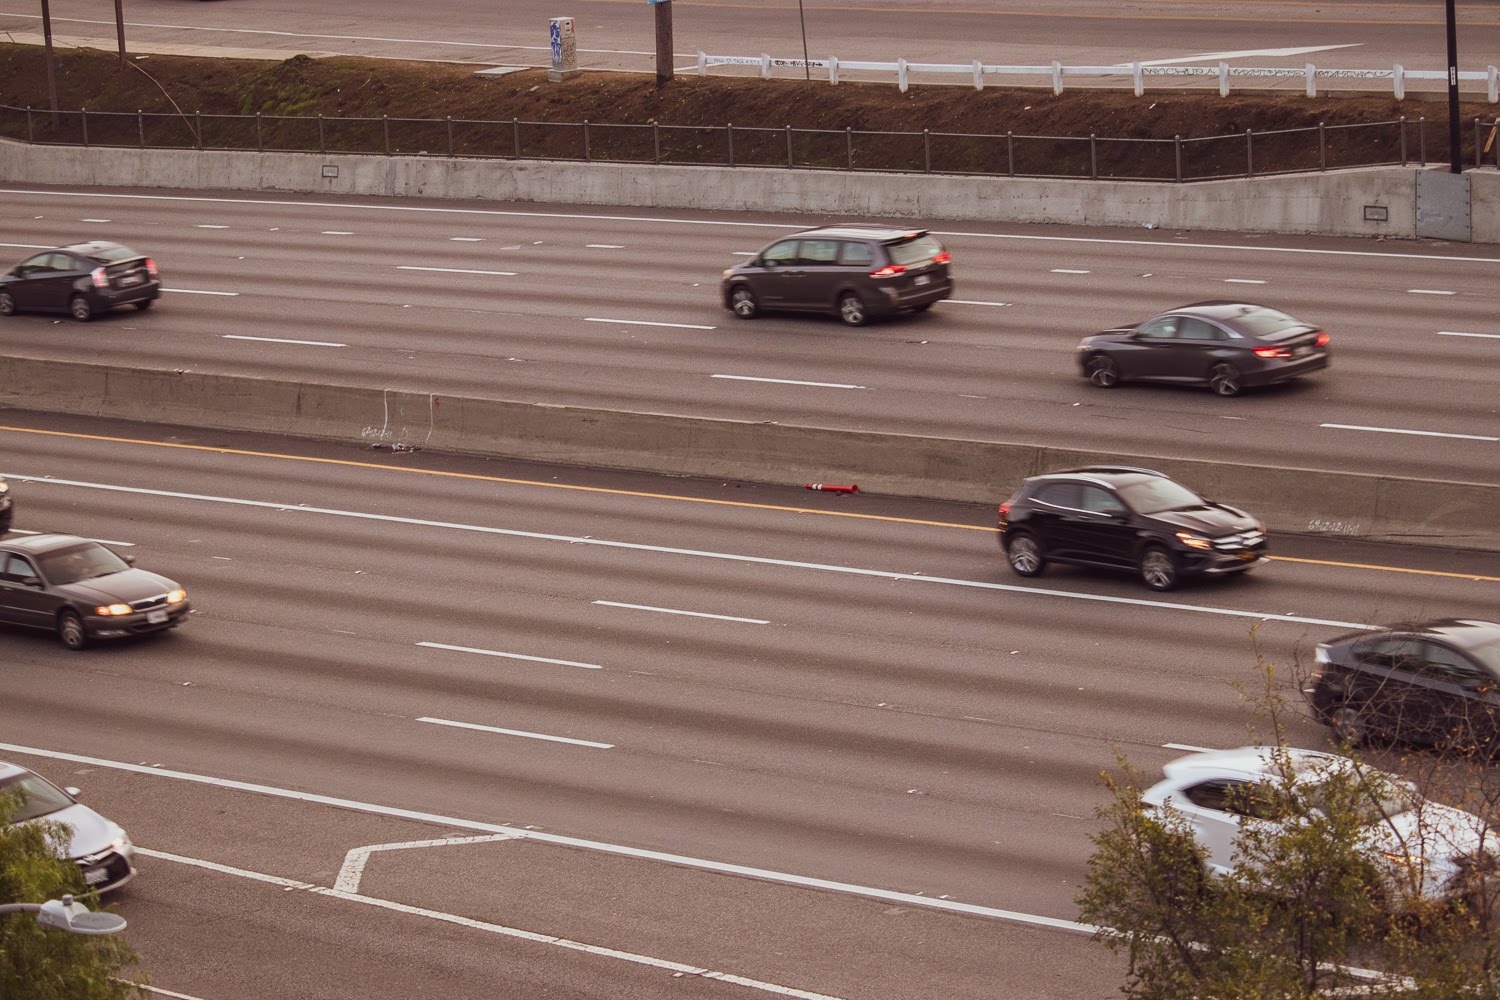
[1312,80]
[1223,79]
[1056,77]
[1138,77]
[765,66]
[833,70]
[702,62]
[901,74]
[978,75]
[1398,78]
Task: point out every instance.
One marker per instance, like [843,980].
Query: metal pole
[1010,154]
[120,30]
[1177,151]
[321,143]
[729,135]
[1093,158]
[29,136]
[656,142]
[83,115]
[788,145]
[448,122]
[1322,147]
[260,142]
[51,76]
[1455,143]
[926,151]
[140,127]
[198,127]
[586,154]
[1403,140]
[385,133]
[1249,154]
[1478,153]
[802,16]
[664,67]
[849,144]
[1422,139]
[515,127]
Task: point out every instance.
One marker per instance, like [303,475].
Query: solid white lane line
[606,246]
[101,541]
[1067,270]
[743,253]
[509,656]
[1402,430]
[93,220]
[207,226]
[729,223]
[283,340]
[1428,291]
[470,923]
[518,732]
[453,270]
[199,291]
[647,322]
[336,232]
[358,857]
[436,819]
[26,246]
[161,992]
[975,302]
[1243,281]
[789,381]
[873,574]
[1188,747]
[692,614]
[1455,333]
[467,239]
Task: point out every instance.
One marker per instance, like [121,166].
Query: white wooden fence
[1138,72]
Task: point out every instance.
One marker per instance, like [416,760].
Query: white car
[98,846]
[1215,792]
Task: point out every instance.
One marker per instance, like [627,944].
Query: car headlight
[4,487]
[113,609]
[176,596]
[1320,655]
[1193,541]
[728,272]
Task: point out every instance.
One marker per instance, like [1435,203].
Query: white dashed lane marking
[283,340]
[1402,430]
[453,270]
[648,322]
[508,656]
[789,381]
[675,611]
[518,732]
[1455,333]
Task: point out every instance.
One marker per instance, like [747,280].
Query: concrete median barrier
[1290,500]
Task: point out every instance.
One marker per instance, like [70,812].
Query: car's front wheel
[742,302]
[7,304]
[80,309]
[852,310]
[1158,568]
[1225,380]
[1102,372]
[1025,555]
[70,630]
[1348,725]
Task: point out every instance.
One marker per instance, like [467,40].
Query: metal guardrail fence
[1248,154]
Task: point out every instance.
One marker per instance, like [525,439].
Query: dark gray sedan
[82,280]
[1226,346]
[83,591]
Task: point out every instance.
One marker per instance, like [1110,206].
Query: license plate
[94,876]
[925,279]
[156,617]
[1300,351]
[130,279]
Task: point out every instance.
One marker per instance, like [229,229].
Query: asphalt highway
[760,741]
[620,309]
[620,34]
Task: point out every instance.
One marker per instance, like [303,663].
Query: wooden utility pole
[664,67]
[51,73]
[120,29]
[1455,143]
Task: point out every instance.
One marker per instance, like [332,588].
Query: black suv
[1119,517]
[855,272]
[1434,682]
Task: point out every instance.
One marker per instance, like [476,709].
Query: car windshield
[1487,653]
[1153,494]
[110,254]
[80,562]
[1267,322]
[915,251]
[39,797]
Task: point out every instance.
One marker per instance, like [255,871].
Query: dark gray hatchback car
[857,273]
[82,280]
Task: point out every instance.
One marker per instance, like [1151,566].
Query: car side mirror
[72,791]
[129,560]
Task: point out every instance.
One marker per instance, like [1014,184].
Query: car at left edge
[100,847]
[83,280]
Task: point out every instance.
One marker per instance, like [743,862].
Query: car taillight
[943,258]
[1273,352]
[889,271]
[151,266]
[100,280]
[1322,340]
[1005,510]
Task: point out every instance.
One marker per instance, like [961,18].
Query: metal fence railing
[1248,154]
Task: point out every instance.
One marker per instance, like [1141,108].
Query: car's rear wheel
[1025,555]
[144,304]
[1158,568]
[7,304]
[852,310]
[1349,725]
[1102,371]
[70,630]
[1225,380]
[743,303]
[80,309]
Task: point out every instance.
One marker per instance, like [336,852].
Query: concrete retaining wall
[1484,201]
[1327,203]
[1291,500]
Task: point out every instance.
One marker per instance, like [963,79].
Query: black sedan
[1227,346]
[83,591]
[81,280]
[1435,683]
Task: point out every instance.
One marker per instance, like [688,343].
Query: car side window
[34,265]
[1160,329]
[1208,795]
[1393,653]
[1064,495]
[1448,665]
[1101,501]
[819,253]
[782,253]
[1256,800]
[62,262]
[857,255]
[1191,328]
[19,570]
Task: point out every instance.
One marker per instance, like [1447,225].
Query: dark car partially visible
[1226,346]
[1432,683]
[7,506]
[82,280]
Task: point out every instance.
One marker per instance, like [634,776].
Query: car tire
[1225,380]
[852,310]
[1102,372]
[79,308]
[742,302]
[144,304]
[1024,552]
[70,630]
[7,304]
[1349,725]
[1158,568]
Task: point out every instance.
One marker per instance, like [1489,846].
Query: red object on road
[832,488]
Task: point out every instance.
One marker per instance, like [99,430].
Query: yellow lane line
[376,466]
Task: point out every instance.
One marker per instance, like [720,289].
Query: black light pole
[120,29]
[802,15]
[1455,144]
[47,45]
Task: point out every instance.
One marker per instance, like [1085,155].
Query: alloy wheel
[1158,571]
[852,310]
[1225,380]
[1103,373]
[1026,556]
[742,302]
[7,304]
[70,631]
[80,308]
